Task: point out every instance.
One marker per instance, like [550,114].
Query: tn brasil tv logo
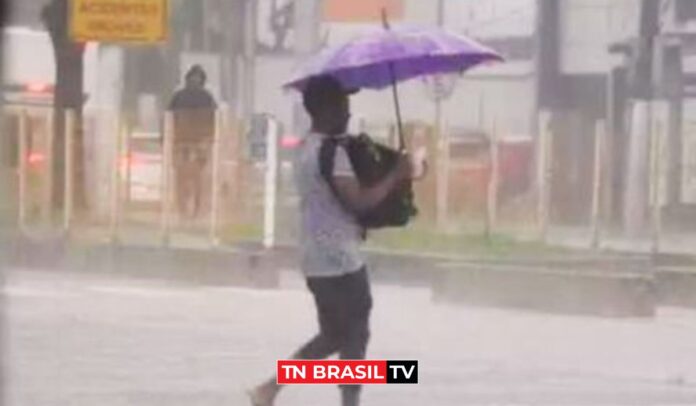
[346,372]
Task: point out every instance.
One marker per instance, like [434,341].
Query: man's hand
[404,167]
[361,199]
[411,167]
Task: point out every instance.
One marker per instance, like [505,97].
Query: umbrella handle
[395,90]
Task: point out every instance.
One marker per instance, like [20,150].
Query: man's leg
[354,344]
[328,298]
[330,305]
[204,178]
[180,174]
[197,183]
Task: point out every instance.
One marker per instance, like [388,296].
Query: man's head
[327,103]
[195,77]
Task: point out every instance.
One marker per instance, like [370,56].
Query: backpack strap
[327,156]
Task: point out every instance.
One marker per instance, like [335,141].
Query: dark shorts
[186,154]
[343,309]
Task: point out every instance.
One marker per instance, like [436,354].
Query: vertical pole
[250,21]
[215,187]
[540,50]
[116,183]
[239,108]
[271,194]
[614,164]
[109,96]
[307,22]
[23,152]
[7,227]
[611,128]
[443,146]
[674,76]
[126,159]
[240,172]
[597,180]
[493,184]
[636,200]
[548,174]
[543,175]
[48,165]
[205,32]
[69,190]
[167,178]
[442,169]
[638,171]
[656,186]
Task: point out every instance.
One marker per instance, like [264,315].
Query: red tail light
[36,158]
[38,88]
[290,141]
[129,161]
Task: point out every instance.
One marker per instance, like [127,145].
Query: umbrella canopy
[378,60]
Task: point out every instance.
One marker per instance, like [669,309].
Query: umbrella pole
[399,125]
[395,91]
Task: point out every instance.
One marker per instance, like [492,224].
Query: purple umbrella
[377,60]
[383,58]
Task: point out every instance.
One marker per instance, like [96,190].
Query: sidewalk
[608,282]
[673,243]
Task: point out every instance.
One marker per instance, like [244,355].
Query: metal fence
[483,186]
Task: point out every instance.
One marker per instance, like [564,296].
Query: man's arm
[210,101]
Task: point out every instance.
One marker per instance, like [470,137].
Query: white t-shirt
[331,238]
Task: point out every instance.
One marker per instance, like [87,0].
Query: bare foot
[263,395]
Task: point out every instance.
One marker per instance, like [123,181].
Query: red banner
[346,372]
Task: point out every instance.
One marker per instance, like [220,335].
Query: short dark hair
[320,91]
[196,70]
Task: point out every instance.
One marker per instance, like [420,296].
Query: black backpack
[371,162]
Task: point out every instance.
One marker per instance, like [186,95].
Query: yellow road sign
[139,21]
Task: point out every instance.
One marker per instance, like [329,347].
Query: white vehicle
[29,67]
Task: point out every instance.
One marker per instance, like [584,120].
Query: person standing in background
[193,108]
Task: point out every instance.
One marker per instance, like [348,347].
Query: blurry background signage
[362,10]
[139,21]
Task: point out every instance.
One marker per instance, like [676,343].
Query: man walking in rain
[193,108]
[333,266]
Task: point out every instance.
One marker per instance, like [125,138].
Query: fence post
[126,160]
[215,186]
[597,180]
[22,175]
[656,185]
[47,209]
[166,195]
[493,184]
[543,175]
[234,212]
[443,167]
[69,186]
[116,182]
[271,192]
